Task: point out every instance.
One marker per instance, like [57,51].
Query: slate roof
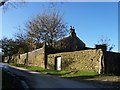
[70,43]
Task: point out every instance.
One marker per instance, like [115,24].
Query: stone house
[70,43]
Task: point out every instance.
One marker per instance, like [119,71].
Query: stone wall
[88,60]
[33,58]
[112,62]
[96,60]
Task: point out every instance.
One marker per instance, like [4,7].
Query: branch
[3,2]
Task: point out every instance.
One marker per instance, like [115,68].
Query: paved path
[34,80]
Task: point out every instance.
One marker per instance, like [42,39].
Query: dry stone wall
[33,58]
[97,60]
[87,60]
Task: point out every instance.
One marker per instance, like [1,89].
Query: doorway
[58,63]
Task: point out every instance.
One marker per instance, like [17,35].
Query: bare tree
[21,38]
[2,2]
[5,4]
[106,42]
[47,27]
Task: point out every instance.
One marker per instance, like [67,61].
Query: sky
[91,20]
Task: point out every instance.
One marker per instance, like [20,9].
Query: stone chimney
[72,31]
[103,47]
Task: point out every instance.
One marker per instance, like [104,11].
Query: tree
[10,2]
[5,4]
[11,47]
[47,27]
[21,38]
[8,46]
[105,42]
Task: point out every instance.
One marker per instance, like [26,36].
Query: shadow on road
[97,80]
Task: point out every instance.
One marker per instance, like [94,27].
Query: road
[36,80]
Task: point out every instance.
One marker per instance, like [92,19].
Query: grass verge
[41,70]
[62,73]
[93,77]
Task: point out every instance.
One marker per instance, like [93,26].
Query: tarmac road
[36,80]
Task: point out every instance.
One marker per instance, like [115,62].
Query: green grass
[41,70]
[62,73]
[77,75]
[81,73]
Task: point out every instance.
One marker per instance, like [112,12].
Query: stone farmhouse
[71,53]
[70,43]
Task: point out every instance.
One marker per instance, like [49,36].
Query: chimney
[72,31]
[103,47]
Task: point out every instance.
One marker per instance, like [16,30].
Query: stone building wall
[88,60]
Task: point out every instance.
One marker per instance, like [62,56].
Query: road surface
[36,80]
